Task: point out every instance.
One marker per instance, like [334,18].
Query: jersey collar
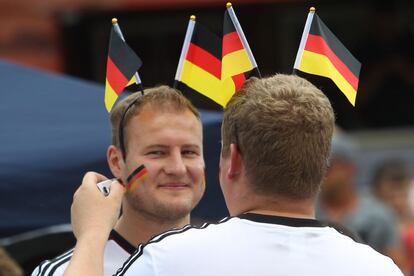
[116,237]
[287,221]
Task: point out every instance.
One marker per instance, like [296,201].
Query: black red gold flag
[238,62]
[199,67]
[321,53]
[121,67]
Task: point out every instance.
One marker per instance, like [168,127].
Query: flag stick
[304,38]
[186,45]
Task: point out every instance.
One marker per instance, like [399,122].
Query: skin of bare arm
[93,216]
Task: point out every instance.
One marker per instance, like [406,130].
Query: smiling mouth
[173,186]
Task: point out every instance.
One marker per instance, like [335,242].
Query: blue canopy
[55,128]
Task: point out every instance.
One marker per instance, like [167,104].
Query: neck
[138,228]
[278,207]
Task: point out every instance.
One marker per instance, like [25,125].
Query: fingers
[89,182]
[117,190]
[93,178]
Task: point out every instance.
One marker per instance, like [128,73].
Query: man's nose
[175,164]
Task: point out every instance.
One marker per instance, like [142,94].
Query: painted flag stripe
[110,96]
[122,56]
[317,64]
[207,84]
[235,63]
[204,60]
[206,40]
[115,77]
[231,43]
[319,28]
[318,45]
[137,173]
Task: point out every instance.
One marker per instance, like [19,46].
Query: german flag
[199,67]
[138,175]
[121,67]
[321,53]
[238,62]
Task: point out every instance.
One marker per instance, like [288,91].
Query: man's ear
[113,156]
[236,162]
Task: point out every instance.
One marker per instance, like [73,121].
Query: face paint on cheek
[137,176]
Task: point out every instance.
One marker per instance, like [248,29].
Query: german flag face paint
[137,176]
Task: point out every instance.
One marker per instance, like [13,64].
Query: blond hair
[283,126]
[163,98]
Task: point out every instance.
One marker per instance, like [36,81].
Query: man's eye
[156,153]
[189,153]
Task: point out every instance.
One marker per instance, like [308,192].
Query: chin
[174,211]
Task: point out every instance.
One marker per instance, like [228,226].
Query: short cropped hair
[163,98]
[282,126]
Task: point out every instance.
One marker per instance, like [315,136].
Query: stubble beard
[158,210]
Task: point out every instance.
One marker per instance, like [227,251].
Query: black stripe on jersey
[287,221]
[122,242]
[159,238]
[65,260]
[54,263]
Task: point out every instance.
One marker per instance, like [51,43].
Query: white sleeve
[54,267]
[49,270]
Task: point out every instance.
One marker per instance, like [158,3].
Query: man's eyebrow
[191,145]
[167,146]
[156,146]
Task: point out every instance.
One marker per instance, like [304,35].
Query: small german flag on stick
[214,67]
[321,53]
[199,67]
[238,61]
[121,66]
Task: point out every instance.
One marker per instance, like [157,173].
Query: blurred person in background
[340,201]
[392,185]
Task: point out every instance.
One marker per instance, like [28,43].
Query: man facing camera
[157,154]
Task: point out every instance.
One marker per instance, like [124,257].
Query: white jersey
[117,250]
[253,244]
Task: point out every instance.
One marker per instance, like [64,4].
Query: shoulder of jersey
[164,237]
[54,266]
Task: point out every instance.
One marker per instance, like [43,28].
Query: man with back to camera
[162,131]
[276,138]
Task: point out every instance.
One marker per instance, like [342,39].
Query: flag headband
[121,125]
[137,80]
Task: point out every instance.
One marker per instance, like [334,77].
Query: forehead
[165,124]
